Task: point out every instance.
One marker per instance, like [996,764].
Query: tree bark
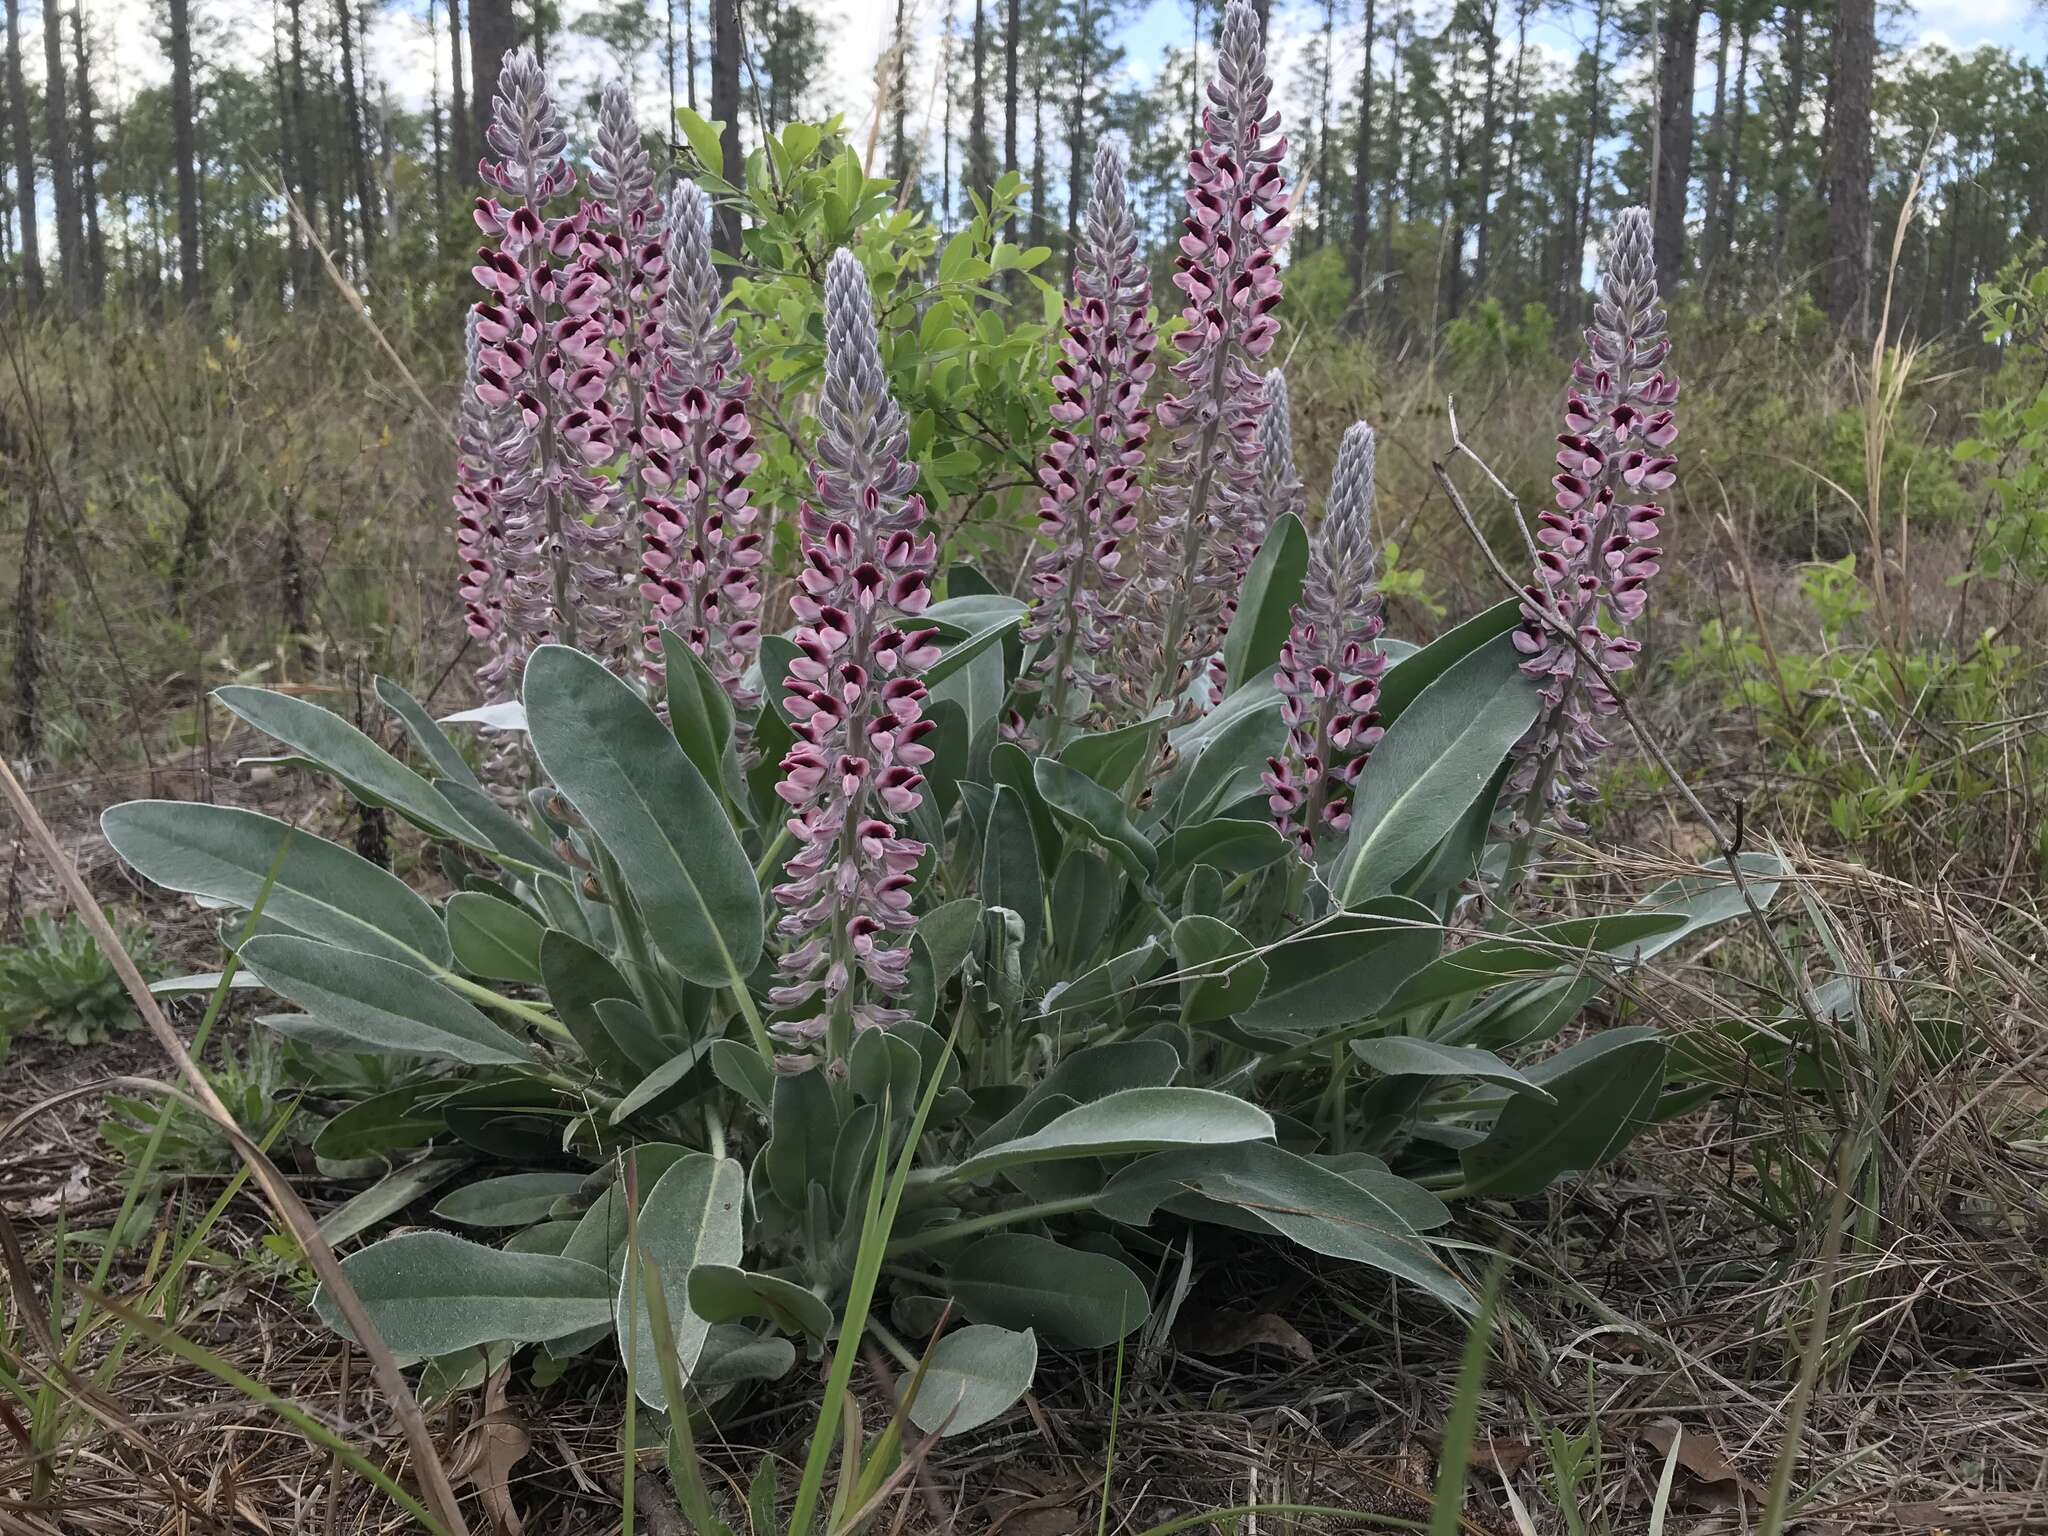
[1723,237]
[725,108]
[1589,145]
[1678,57]
[352,119]
[184,150]
[901,171]
[1077,127]
[1013,29]
[1845,286]
[88,164]
[25,156]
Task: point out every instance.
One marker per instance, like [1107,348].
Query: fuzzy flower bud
[855,700]
[700,557]
[1280,487]
[1329,674]
[1596,549]
[1089,474]
[1208,488]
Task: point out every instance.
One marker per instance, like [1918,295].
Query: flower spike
[1089,474]
[539,386]
[1208,488]
[1596,548]
[856,704]
[700,556]
[1329,675]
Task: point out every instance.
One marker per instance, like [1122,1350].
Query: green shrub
[57,983]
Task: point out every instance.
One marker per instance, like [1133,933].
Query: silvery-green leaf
[976,1374]
[1604,1088]
[511,1200]
[1406,1056]
[227,855]
[621,768]
[430,1293]
[1069,1296]
[1135,1120]
[1434,761]
[373,775]
[363,1003]
[691,1218]
[493,938]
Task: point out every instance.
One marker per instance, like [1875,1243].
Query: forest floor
[1670,1296]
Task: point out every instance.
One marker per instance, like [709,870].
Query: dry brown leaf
[495,1444]
[1505,1456]
[1698,1453]
[1226,1332]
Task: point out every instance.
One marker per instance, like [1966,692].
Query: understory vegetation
[987,898]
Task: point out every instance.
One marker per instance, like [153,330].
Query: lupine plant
[877,925]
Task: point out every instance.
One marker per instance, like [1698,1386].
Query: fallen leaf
[1226,1332]
[1505,1456]
[494,1445]
[1699,1454]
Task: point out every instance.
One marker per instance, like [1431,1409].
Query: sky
[402,60]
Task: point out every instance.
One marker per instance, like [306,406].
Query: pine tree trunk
[1589,144]
[25,153]
[900,169]
[1489,126]
[1723,236]
[1793,50]
[353,113]
[1077,129]
[462,154]
[1717,129]
[492,35]
[980,172]
[725,107]
[1013,29]
[1678,56]
[28,637]
[306,287]
[440,139]
[184,151]
[1361,188]
[88,164]
[63,180]
[1845,286]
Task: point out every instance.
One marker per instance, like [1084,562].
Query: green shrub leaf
[1404,1056]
